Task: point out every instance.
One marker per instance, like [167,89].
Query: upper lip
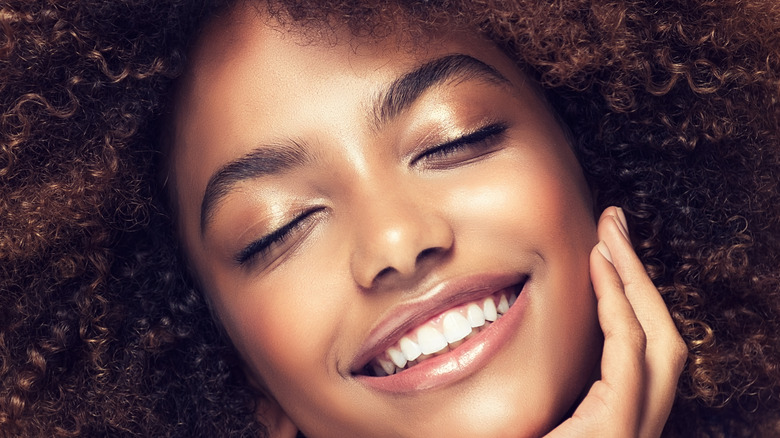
[401,318]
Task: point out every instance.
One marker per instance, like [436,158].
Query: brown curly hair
[673,107]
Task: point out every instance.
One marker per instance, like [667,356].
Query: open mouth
[442,333]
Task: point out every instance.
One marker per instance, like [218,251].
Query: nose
[397,239]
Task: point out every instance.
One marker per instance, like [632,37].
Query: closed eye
[463,149]
[264,247]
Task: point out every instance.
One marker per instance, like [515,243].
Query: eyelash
[482,138]
[262,247]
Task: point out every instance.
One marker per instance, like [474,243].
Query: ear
[275,418]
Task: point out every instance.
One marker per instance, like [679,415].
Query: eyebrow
[269,159]
[399,96]
[404,91]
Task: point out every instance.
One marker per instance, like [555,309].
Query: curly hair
[673,108]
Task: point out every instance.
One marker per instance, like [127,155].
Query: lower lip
[455,365]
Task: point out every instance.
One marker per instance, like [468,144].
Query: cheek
[539,215]
[283,324]
[536,197]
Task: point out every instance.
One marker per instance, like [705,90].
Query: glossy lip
[456,363]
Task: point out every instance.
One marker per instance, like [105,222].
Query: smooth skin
[394,223]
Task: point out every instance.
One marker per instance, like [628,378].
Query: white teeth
[456,327]
[430,340]
[440,336]
[503,305]
[387,366]
[475,315]
[398,358]
[489,307]
[410,349]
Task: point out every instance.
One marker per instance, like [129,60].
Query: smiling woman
[325,260]
[372,218]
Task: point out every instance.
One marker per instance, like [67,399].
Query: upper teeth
[437,335]
[456,327]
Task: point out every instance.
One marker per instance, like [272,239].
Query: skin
[385,223]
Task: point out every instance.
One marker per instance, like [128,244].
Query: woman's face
[358,208]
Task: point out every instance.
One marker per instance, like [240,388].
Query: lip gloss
[458,363]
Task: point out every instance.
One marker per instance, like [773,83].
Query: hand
[643,352]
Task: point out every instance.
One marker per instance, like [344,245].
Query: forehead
[244,46]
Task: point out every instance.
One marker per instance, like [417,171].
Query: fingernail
[623,224]
[602,247]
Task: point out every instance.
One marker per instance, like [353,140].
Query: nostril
[425,253]
[384,272]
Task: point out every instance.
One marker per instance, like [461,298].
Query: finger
[624,340]
[640,290]
[623,357]
[665,350]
